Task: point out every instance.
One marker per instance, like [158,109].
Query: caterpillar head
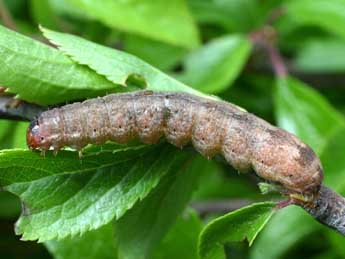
[34,137]
[43,133]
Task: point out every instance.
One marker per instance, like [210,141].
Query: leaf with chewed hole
[115,65]
[237,226]
[64,196]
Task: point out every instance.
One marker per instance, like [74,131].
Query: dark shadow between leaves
[136,80]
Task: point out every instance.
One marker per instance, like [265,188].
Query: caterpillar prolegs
[213,127]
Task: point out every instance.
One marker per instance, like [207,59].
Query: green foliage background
[136,201]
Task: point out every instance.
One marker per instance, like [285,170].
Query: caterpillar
[213,127]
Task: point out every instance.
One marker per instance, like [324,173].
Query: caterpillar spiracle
[213,127]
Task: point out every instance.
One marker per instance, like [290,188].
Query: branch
[329,209]
[20,111]
[274,15]
[266,38]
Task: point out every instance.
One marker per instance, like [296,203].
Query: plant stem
[277,61]
[266,39]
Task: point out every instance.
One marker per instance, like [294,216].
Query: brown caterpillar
[213,127]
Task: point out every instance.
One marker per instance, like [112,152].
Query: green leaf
[169,22]
[338,243]
[216,65]
[40,74]
[181,240]
[329,15]
[334,151]
[6,133]
[319,56]
[115,65]
[229,13]
[12,134]
[9,205]
[65,8]
[64,196]
[304,112]
[287,227]
[91,245]
[43,14]
[237,226]
[140,230]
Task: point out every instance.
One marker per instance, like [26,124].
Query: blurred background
[240,50]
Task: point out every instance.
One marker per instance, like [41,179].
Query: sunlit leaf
[41,74]
[115,65]
[321,56]
[329,15]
